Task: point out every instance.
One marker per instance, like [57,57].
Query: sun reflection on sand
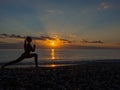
[52,65]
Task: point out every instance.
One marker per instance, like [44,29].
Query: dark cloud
[19,36]
[11,36]
[97,41]
[51,38]
[43,37]
[65,40]
[1,37]
[118,43]
[86,41]
[4,35]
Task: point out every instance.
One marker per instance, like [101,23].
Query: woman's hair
[29,39]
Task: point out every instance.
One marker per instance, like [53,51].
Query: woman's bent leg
[35,58]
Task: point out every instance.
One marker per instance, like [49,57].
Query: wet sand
[103,75]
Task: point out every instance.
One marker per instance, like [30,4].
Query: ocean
[60,57]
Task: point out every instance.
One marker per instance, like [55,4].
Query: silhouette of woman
[27,48]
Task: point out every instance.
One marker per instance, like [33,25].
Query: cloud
[54,11]
[86,41]
[118,43]
[1,37]
[43,37]
[11,36]
[104,5]
[98,41]
[66,41]
[47,37]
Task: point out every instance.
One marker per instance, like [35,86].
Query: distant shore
[100,75]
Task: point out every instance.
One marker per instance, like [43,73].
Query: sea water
[60,56]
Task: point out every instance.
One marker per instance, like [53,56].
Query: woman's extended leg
[13,62]
[21,58]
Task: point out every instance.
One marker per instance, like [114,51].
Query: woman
[28,48]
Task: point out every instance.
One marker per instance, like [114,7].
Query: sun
[53,43]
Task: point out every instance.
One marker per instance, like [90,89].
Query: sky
[78,23]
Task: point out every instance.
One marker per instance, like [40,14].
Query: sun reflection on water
[52,54]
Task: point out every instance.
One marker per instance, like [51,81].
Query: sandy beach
[102,75]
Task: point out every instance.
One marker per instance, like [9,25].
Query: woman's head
[29,39]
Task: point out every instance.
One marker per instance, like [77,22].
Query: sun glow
[54,43]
